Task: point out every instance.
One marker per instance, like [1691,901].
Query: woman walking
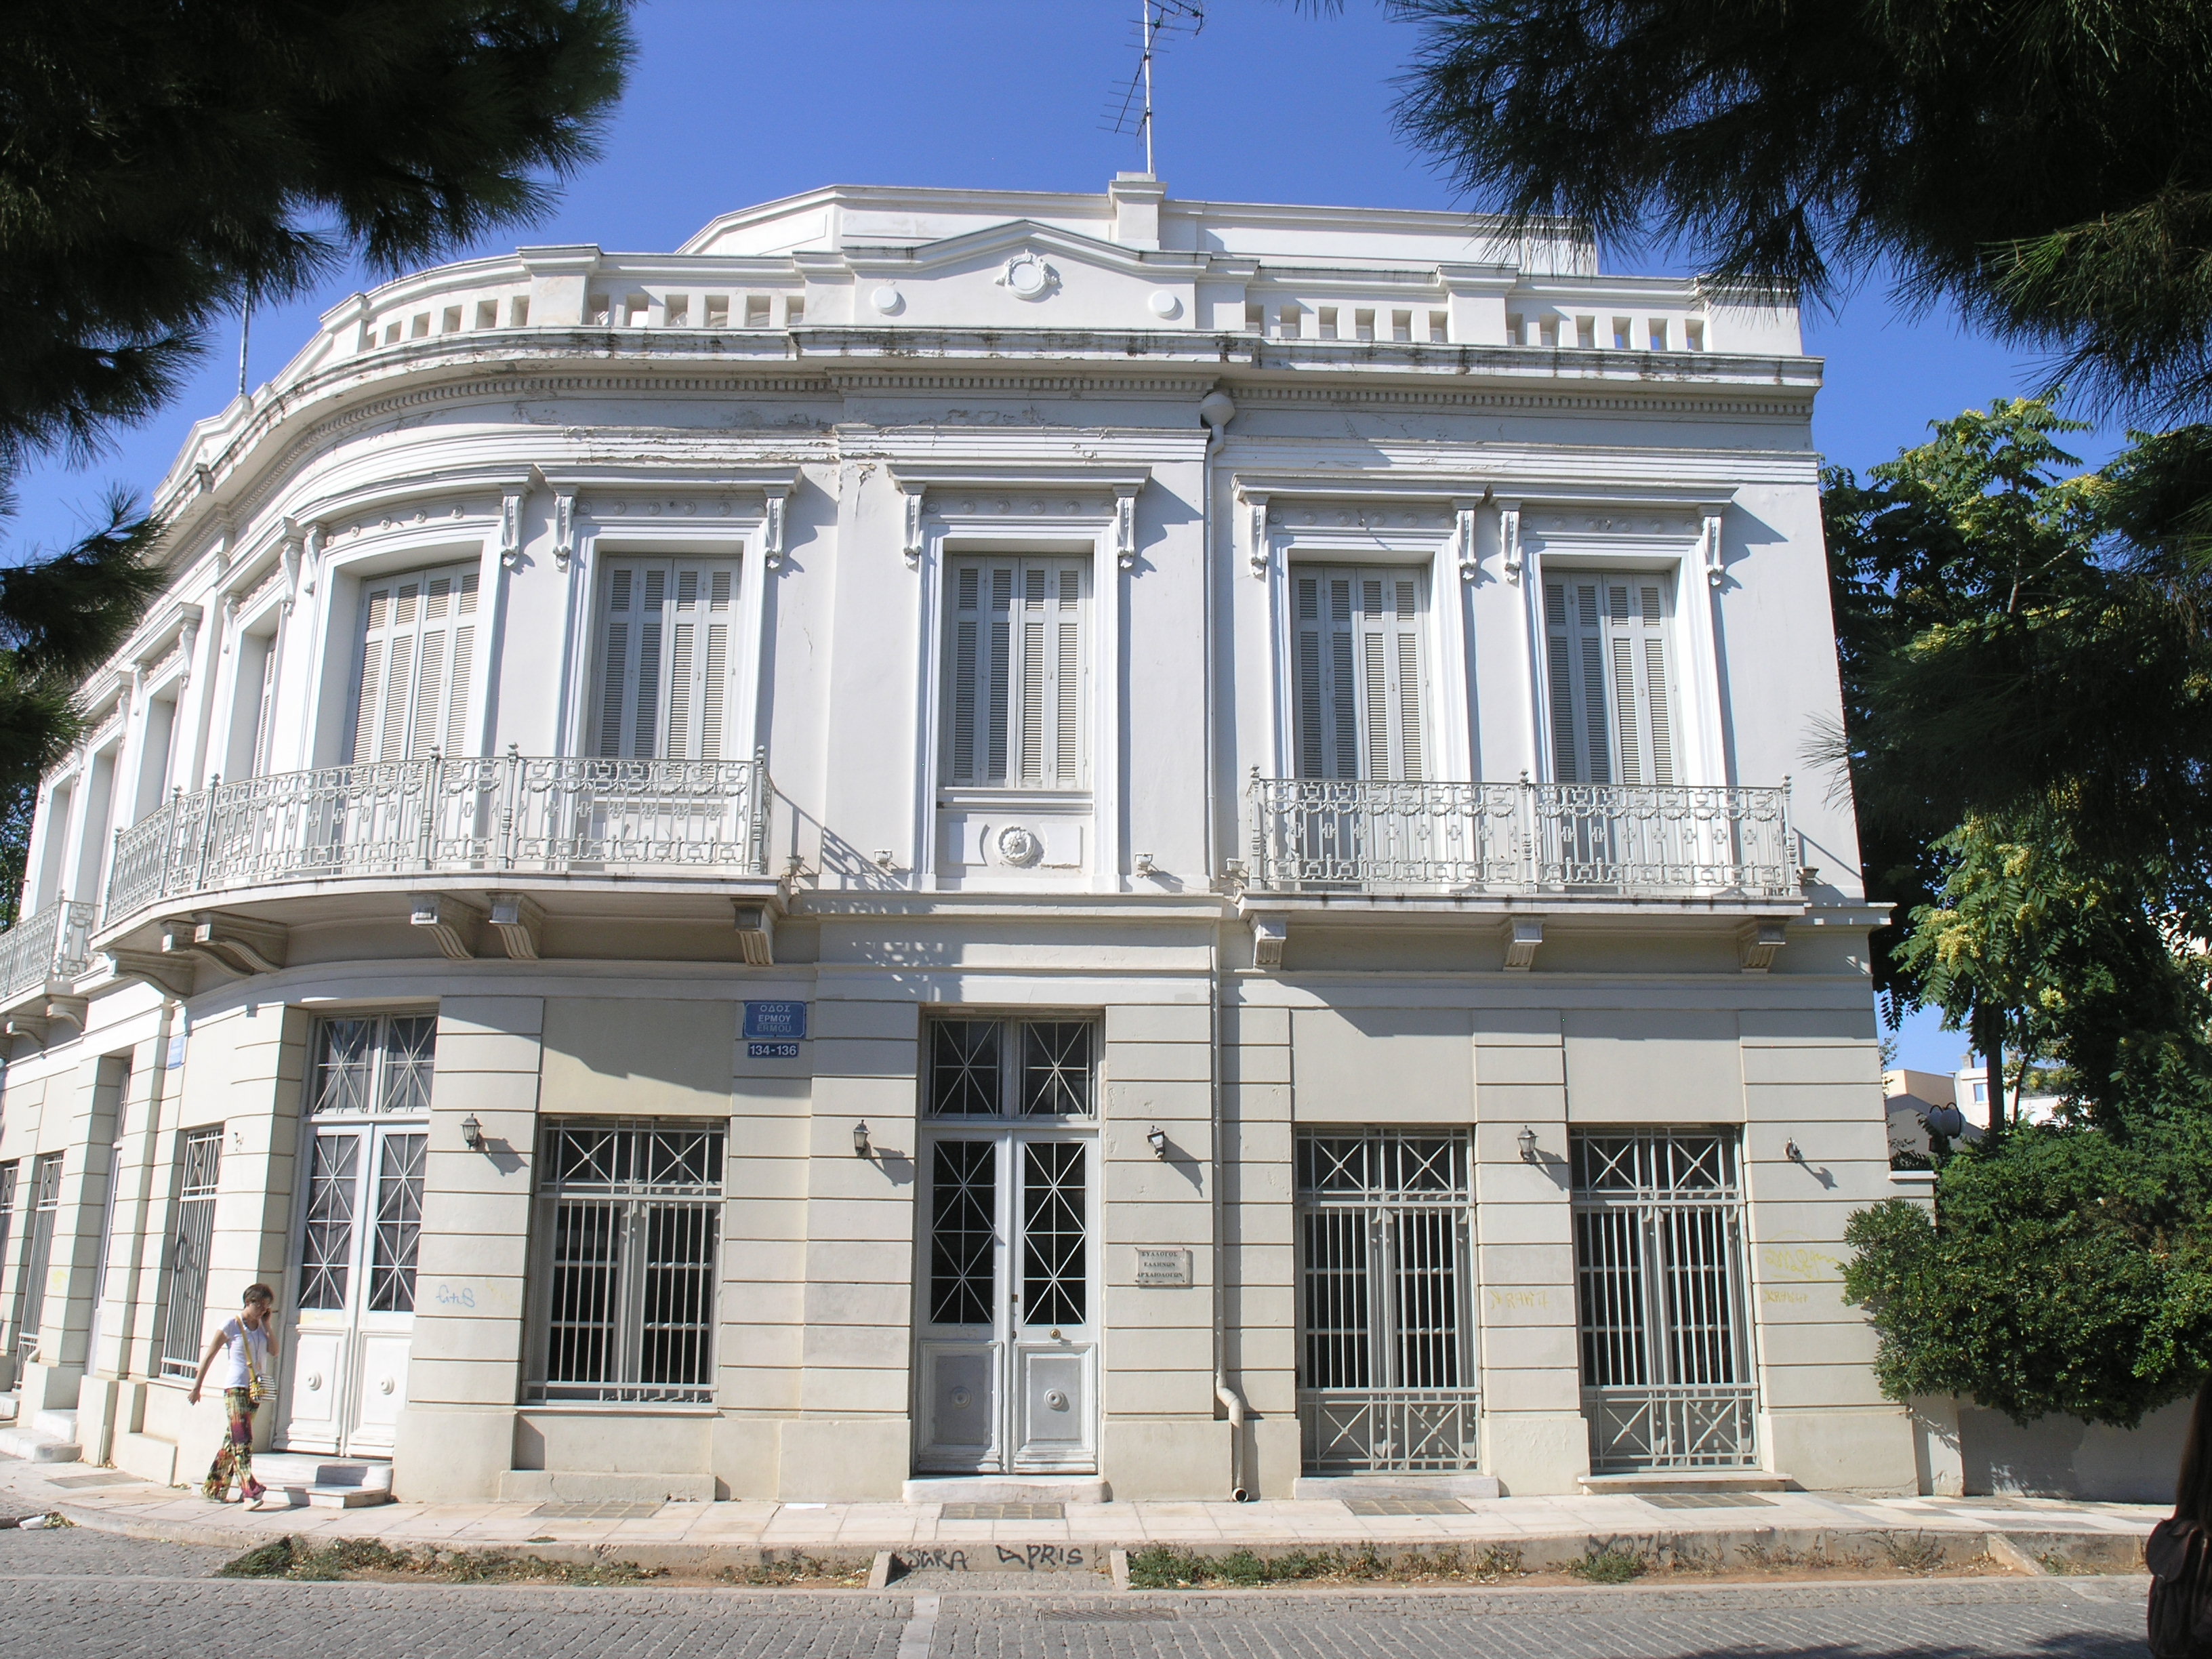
[2180,1551]
[246,1351]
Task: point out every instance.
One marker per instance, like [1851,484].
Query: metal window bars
[484,815]
[38,1247]
[1363,835]
[1386,1360]
[52,946]
[1659,1279]
[629,1223]
[184,1308]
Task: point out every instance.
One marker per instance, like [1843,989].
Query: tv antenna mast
[1132,112]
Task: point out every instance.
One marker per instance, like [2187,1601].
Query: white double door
[1007,1359]
[354,1299]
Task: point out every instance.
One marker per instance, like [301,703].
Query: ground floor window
[184,1309]
[1659,1285]
[1386,1327]
[628,1226]
[31,1287]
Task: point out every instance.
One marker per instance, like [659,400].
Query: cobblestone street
[76,1592]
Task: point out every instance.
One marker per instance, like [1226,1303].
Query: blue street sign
[784,1021]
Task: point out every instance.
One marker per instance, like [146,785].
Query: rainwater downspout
[1217,409]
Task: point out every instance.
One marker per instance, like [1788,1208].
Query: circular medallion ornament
[962,1400]
[1017,846]
[1164,303]
[888,300]
[1029,277]
[1056,1400]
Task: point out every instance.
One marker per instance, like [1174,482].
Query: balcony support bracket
[241,947]
[517,919]
[170,973]
[452,924]
[64,1010]
[1522,936]
[1757,943]
[756,924]
[1269,934]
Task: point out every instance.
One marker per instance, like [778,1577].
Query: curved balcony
[1368,837]
[493,818]
[46,951]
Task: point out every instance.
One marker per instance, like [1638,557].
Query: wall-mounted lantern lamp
[1527,1140]
[861,1139]
[1157,1141]
[473,1133]
[1793,1151]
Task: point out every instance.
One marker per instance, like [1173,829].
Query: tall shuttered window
[1016,674]
[46,1197]
[1358,673]
[1612,678]
[628,1227]
[183,1306]
[665,661]
[417,675]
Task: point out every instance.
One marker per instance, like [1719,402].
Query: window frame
[381,1023]
[1013,1064]
[705,1201]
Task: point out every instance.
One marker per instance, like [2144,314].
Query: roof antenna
[1132,113]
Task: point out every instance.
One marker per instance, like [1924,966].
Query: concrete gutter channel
[2028,1552]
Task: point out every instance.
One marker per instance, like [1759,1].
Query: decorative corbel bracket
[1524,934]
[188,641]
[756,924]
[70,1011]
[510,524]
[1509,538]
[290,557]
[564,528]
[1757,943]
[1464,508]
[1125,523]
[171,974]
[772,525]
[1256,549]
[1269,934]
[229,618]
[518,921]
[910,545]
[25,1025]
[241,947]
[452,923]
[1709,547]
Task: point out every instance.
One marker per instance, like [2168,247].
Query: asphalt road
[69,1593]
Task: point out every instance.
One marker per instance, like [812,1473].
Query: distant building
[1970,1083]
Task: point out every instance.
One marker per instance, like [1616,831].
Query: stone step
[1348,1487]
[35,1448]
[306,1480]
[55,1426]
[1006,1489]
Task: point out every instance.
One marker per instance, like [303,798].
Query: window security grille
[373,1064]
[184,1308]
[1358,673]
[628,1223]
[1386,1355]
[398,1223]
[9,1172]
[1014,673]
[31,1287]
[1659,1284]
[1010,1068]
[326,1244]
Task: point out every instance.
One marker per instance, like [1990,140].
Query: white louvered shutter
[1358,673]
[417,664]
[265,711]
[1611,680]
[665,660]
[1016,674]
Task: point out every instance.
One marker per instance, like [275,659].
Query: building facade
[1142,843]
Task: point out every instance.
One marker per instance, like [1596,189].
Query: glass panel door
[1008,1359]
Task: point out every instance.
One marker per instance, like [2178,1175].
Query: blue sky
[738,101]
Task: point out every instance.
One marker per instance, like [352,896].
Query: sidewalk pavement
[1722,1530]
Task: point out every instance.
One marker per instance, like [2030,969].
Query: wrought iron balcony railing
[1365,835]
[54,945]
[493,815]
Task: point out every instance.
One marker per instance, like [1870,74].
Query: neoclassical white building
[1128,846]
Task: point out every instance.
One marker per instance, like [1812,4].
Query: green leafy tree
[2065,1270]
[163,163]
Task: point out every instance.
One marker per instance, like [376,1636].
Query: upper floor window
[373,1063]
[1357,673]
[1011,1067]
[664,661]
[1015,672]
[1611,678]
[417,665]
